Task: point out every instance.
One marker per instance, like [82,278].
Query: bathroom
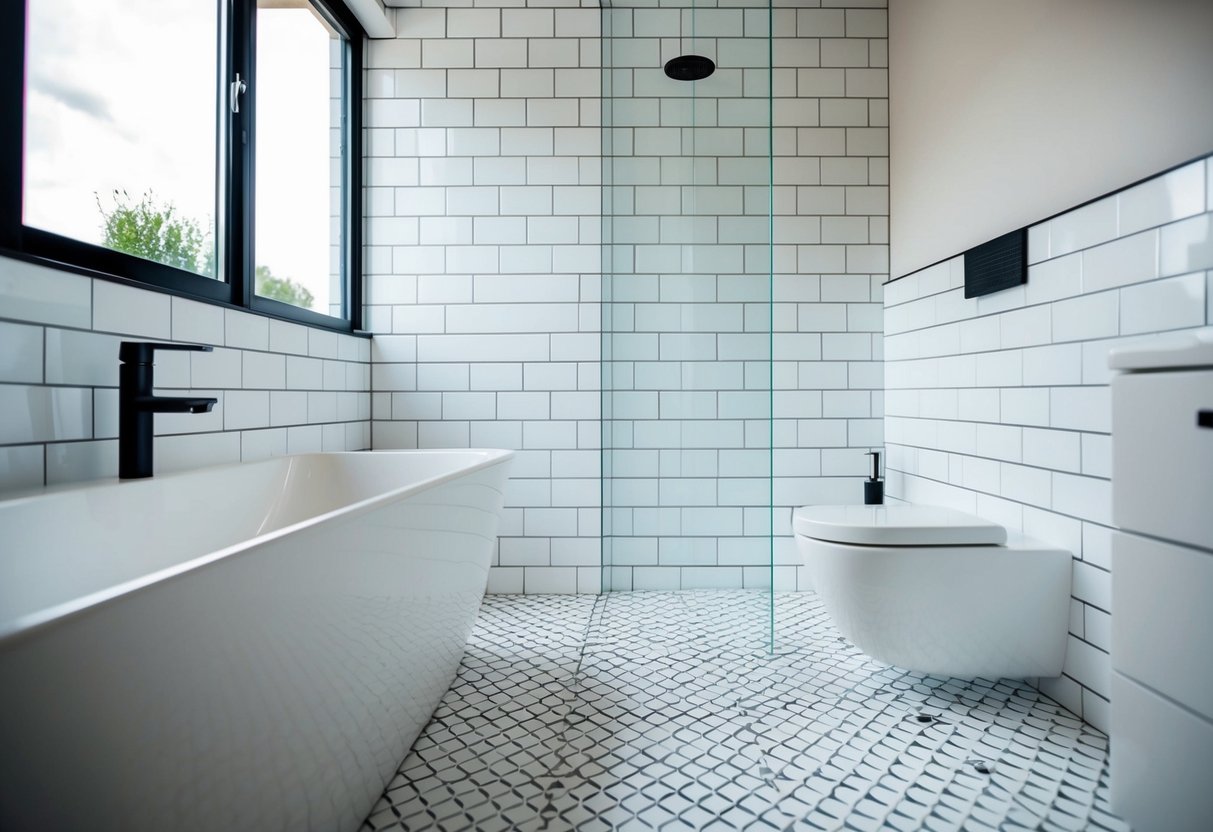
[688,308]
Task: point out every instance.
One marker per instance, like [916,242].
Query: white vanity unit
[1162,582]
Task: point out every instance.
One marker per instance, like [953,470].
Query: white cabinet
[1162,583]
[1162,457]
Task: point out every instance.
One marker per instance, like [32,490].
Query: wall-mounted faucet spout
[137,403]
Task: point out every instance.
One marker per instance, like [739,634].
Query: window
[200,146]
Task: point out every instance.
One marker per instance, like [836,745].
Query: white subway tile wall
[1000,405]
[689,381]
[280,385]
[485,204]
[482,263]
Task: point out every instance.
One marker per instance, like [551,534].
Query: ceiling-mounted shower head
[689,67]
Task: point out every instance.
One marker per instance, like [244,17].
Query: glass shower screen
[686,301]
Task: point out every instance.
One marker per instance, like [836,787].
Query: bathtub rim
[17,629]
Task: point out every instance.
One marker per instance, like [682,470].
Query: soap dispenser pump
[873,487]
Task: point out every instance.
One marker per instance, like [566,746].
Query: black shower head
[689,67]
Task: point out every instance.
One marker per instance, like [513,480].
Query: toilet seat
[896,525]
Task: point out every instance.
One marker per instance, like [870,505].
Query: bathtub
[247,647]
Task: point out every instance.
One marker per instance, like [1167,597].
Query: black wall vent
[996,265]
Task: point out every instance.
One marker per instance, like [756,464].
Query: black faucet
[136,404]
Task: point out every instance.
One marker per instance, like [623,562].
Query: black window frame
[236,41]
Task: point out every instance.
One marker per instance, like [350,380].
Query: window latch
[237,87]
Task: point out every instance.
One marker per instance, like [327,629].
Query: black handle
[140,352]
[1204,418]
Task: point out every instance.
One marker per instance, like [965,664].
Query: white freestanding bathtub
[248,647]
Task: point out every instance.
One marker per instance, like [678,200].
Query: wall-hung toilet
[939,591]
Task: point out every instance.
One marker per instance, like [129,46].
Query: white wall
[1000,405]
[1005,113]
[282,388]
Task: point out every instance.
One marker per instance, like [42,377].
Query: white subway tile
[288,338]
[501,52]
[389,435]
[1081,408]
[84,358]
[549,579]
[441,377]
[262,444]
[1087,317]
[505,581]
[220,368]
[1025,406]
[534,23]
[980,334]
[1172,196]
[472,23]
[263,370]
[179,453]
[421,23]
[1083,228]
[1124,261]
[443,435]
[1094,362]
[1000,442]
[21,353]
[1026,327]
[977,405]
[1172,303]
[199,323]
[1054,279]
[38,294]
[1056,449]
[1097,628]
[1026,485]
[303,373]
[1097,455]
[1038,244]
[467,405]
[1097,545]
[21,467]
[1086,498]
[244,409]
[129,311]
[323,343]
[447,52]
[392,113]
[496,376]
[499,113]
[394,52]
[245,330]
[288,407]
[1091,665]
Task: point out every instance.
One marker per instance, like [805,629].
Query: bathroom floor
[664,710]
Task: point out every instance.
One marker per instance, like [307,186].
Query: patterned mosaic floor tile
[667,711]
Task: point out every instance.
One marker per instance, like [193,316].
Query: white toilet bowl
[939,591]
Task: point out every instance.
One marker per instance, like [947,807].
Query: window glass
[121,126]
[298,160]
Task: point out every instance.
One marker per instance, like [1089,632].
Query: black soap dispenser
[873,487]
